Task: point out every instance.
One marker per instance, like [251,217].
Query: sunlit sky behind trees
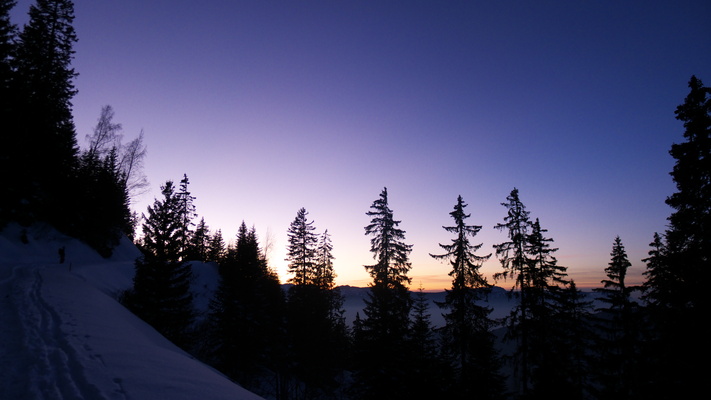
[273,106]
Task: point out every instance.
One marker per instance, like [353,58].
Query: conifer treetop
[387,245]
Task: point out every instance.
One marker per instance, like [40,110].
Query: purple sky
[273,106]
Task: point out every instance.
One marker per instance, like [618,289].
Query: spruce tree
[468,343]
[678,266]
[325,274]
[546,290]
[316,325]
[382,345]
[570,375]
[161,292]
[618,324]
[301,250]
[186,213]
[660,287]
[8,34]
[688,238]
[539,281]
[43,149]
[514,260]
[199,246]
[247,315]
[217,249]
[428,371]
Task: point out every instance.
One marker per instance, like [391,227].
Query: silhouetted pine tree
[467,341]
[514,260]
[301,250]
[316,326]
[660,285]
[678,269]
[547,281]
[161,287]
[105,214]
[43,149]
[574,338]
[186,213]
[382,345]
[428,370]
[199,242]
[619,326]
[688,238]
[325,275]
[8,34]
[539,281]
[217,249]
[247,314]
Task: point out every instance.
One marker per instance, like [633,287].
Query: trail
[37,358]
[64,336]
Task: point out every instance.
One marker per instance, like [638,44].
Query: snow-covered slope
[63,335]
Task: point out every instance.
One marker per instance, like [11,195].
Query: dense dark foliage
[43,151]
[247,316]
[161,292]
[46,177]
[678,263]
[8,32]
[315,323]
[548,310]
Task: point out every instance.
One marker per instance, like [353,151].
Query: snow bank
[64,335]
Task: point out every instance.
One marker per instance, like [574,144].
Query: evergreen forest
[290,340]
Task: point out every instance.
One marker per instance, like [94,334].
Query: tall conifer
[44,146]
[619,326]
[382,345]
[468,343]
[8,34]
[514,261]
[161,287]
[316,325]
[301,250]
[199,242]
[186,213]
[678,266]
[527,257]
[247,314]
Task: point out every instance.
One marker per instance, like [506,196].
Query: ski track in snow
[43,362]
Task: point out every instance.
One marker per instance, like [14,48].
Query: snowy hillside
[64,336]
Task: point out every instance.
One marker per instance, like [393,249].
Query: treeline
[295,344]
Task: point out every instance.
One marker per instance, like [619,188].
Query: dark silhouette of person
[61,255]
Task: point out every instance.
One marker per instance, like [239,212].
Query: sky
[270,106]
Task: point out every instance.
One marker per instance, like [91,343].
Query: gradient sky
[273,106]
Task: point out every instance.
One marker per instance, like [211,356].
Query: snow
[65,336]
